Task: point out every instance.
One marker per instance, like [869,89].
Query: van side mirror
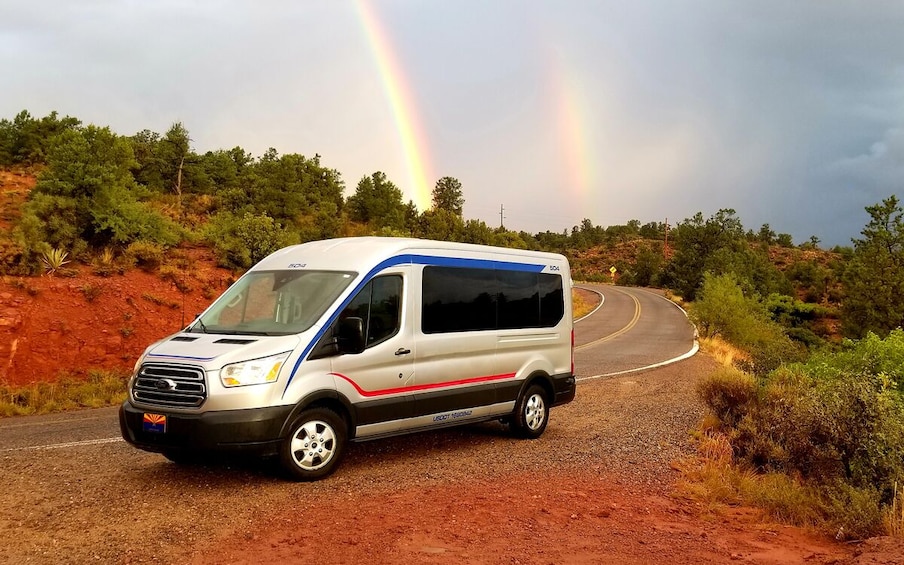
[351,335]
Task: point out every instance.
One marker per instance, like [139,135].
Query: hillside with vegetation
[109,242]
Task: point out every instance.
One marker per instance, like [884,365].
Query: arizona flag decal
[154,423]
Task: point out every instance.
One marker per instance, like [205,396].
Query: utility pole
[665,248]
[501,217]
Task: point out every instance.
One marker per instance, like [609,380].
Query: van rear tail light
[572,352]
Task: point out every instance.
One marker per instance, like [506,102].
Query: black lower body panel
[254,430]
[563,388]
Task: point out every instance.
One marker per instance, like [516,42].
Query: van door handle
[402,351]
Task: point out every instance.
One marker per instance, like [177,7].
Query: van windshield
[273,303]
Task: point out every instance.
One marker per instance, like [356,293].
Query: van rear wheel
[532,413]
[314,445]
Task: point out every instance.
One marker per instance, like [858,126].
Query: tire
[314,445]
[531,413]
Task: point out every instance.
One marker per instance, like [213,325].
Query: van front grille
[170,386]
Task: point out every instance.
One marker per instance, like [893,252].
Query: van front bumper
[254,430]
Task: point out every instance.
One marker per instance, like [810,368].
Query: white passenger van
[355,339]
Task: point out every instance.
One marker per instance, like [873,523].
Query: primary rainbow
[404,111]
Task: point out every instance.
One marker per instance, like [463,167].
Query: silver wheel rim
[313,445]
[534,412]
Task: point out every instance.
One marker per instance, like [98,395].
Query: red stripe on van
[415,388]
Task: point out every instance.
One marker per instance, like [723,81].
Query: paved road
[633,329]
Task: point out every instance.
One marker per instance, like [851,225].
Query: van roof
[357,253]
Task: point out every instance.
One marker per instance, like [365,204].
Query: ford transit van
[359,338]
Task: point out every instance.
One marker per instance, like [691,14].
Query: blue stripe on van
[411,259]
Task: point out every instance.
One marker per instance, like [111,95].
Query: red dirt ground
[531,520]
[52,326]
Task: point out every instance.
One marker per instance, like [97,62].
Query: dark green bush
[805,337]
[240,242]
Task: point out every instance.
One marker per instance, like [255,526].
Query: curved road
[632,330]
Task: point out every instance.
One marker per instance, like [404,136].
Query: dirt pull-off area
[598,488]
[517,519]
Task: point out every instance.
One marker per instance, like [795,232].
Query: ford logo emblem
[165,384]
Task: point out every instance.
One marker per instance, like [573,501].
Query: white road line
[598,306]
[66,420]
[67,444]
[687,355]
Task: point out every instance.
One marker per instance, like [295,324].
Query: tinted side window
[519,303]
[552,300]
[379,304]
[458,300]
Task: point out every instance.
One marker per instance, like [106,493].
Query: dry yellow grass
[722,351]
[893,518]
[580,306]
[100,388]
[712,480]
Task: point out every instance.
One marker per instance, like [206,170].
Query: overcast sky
[792,113]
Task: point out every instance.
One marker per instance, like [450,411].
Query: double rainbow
[570,114]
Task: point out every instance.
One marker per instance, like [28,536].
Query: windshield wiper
[216,331]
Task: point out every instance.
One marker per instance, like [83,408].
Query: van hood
[213,351]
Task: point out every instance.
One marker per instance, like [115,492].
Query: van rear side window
[457,299]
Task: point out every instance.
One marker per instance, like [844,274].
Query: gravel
[111,503]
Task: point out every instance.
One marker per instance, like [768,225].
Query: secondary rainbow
[402,104]
[571,111]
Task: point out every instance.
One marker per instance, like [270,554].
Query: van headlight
[253,372]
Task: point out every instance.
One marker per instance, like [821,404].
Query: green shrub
[793,313]
[91,291]
[105,264]
[806,337]
[242,242]
[147,255]
[854,512]
[836,421]
[771,350]
[871,355]
[13,258]
[721,309]
[177,276]
[729,393]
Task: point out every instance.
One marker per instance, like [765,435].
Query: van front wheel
[314,445]
[532,413]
